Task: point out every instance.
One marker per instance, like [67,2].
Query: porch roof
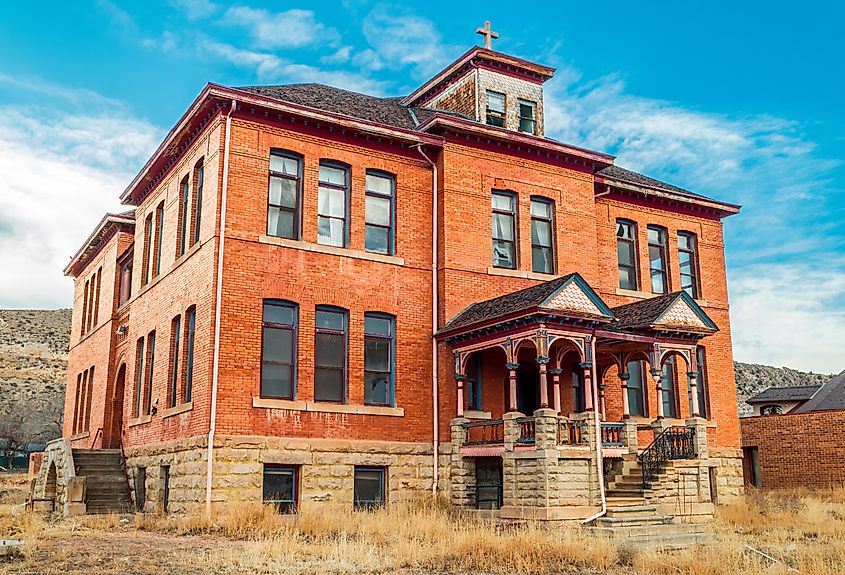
[673,312]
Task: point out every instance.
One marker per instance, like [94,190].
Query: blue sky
[741,101]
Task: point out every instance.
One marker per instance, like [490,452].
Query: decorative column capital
[512,366]
[555,370]
[460,376]
[624,376]
[586,365]
[542,360]
[656,373]
[692,374]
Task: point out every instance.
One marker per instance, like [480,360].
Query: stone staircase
[105,480]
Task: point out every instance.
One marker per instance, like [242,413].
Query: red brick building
[306,303]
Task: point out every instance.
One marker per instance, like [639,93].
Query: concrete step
[614,501]
[662,530]
[629,520]
[670,541]
[630,510]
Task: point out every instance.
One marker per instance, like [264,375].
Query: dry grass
[805,531]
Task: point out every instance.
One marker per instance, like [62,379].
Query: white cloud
[340,56]
[196,9]
[406,40]
[368,59]
[293,28]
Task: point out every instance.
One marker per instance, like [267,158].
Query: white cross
[488,34]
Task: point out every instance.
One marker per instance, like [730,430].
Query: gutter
[215,373]
[435,384]
[599,461]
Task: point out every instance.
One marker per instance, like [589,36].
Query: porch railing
[572,432]
[526,431]
[484,432]
[611,434]
[673,443]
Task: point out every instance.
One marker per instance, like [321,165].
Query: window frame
[694,273]
[474,381]
[391,340]
[515,223]
[148,378]
[357,504]
[391,227]
[294,329]
[347,192]
[140,356]
[551,221]
[175,337]
[533,105]
[148,249]
[641,388]
[344,333]
[701,384]
[297,211]
[635,265]
[669,393]
[159,232]
[196,221]
[184,198]
[294,503]
[490,113]
[664,271]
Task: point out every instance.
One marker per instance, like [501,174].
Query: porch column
[556,371]
[657,375]
[512,367]
[459,380]
[626,408]
[693,386]
[588,385]
[544,384]
[601,387]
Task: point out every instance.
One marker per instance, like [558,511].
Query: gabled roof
[673,311]
[791,393]
[829,397]
[108,226]
[567,295]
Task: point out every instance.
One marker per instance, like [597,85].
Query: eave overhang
[110,225]
[514,322]
[618,189]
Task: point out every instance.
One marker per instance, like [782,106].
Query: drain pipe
[217,306]
[599,461]
[435,391]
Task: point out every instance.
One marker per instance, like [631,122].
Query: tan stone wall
[58,453]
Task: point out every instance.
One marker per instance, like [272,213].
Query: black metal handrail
[96,435]
[527,430]
[673,443]
[484,432]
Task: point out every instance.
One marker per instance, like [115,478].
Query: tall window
[542,244]
[190,330]
[175,337]
[495,108]
[578,389]
[77,403]
[657,259]
[125,291]
[285,195]
[527,114]
[701,386]
[369,487]
[667,384]
[96,298]
[379,225]
[89,395]
[184,200]
[139,375]
[278,349]
[330,355]
[473,372]
[333,193]
[378,359]
[151,354]
[148,248]
[158,238]
[626,254]
[504,230]
[281,487]
[198,177]
[637,386]
[688,262]
[84,329]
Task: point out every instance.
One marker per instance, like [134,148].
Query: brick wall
[797,450]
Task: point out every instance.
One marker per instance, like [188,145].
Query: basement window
[369,487]
[280,487]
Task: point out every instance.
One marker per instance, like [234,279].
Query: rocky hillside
[33,368]
[752,379]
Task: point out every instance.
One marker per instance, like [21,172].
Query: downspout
[599,460]
[435,392]
[217,307]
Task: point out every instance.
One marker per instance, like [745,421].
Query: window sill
[139,420]
[79,436]
[182,259]
[331,250]
[171,411]
[317,407]
[471,414]
[648,295]
[645,422]
[492,271]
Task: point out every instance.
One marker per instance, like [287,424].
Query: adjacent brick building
[283,312]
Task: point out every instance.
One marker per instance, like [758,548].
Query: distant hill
[752,379]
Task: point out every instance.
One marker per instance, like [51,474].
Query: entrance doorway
[116,423]
[488,482]
[527,389]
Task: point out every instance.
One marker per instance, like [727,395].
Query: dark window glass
[542,233]
[637,387]
[278,351]
[527,111]
[184,202]
[175,336]
[771,410]
[331,205]
[125,282]
[578,389]
[198,178]
[701,385]
[473,373]
[139,375]
[626,254]
[504,230]
[148,248]
[378,359]
[151,354]
[379,214]
[495,108]
[688,263]
[330,356]
[165,485]
[369,487]
[285,192]
[667,383]
[159,237]
[657,259]
[280,487]
[191,320]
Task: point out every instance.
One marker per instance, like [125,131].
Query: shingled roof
[791,393]
[830,397]
[646,313]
